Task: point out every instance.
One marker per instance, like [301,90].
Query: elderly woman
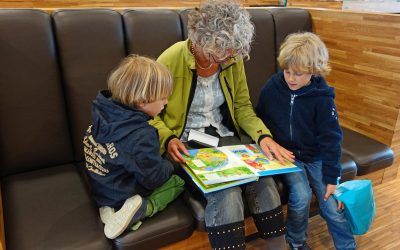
[211,95]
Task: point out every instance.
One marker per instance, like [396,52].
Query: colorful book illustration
[215,187]
[214,169]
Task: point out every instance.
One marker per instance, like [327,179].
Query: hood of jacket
[112,120]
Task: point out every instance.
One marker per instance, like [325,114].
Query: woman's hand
[330,189]
[272,149]
[175,147]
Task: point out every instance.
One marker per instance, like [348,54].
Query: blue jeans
[226,206]
[299,184]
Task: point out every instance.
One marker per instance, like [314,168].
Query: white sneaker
[106,213]
[120,220]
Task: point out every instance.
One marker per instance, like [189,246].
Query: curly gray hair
[220,26]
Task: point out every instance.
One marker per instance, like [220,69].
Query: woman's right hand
[175,147]
[273,150]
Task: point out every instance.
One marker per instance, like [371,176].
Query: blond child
[298,107]
[126,171]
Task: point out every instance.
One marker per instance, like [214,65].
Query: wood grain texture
[384,233]
[328,4]
[97,3]
[116,3]
[396,142]
[365,59]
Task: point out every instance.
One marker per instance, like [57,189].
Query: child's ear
[140,104]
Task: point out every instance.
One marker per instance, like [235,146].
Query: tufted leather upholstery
[51,67]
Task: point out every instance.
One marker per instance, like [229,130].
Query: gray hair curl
[221,25]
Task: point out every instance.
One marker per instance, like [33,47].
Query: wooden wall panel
[256,3]
[116,3]
[329,4]
[396,142]
[365,60]
[97,3]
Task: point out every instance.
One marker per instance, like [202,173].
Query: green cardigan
[172,120]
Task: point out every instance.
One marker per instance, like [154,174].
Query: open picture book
[213,169]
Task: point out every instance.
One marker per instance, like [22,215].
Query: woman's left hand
[272,149]
[330,189]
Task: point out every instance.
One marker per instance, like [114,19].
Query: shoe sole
[106,213]
[121,219]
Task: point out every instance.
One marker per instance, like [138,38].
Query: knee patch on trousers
[270,224]
[230,236]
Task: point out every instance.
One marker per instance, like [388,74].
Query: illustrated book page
[222,167]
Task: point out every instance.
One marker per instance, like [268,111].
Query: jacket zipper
[292,96]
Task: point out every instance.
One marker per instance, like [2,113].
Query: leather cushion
[369,154]
[261,65]
[51,209]
[173,224]
[349,168]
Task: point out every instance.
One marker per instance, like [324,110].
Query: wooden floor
[383,235]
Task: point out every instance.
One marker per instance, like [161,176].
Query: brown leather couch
[51,67]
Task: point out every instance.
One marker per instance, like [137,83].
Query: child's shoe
[106,213]
[131,212]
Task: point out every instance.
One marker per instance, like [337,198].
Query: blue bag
[359,204]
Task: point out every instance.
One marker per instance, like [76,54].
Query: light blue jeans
[298,184]
[226,206]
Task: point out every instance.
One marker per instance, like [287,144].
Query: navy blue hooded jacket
[122,153]
[304,121]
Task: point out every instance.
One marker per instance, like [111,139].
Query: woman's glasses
[225,59]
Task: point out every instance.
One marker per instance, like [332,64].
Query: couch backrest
[262,56]
[287,21]
[90,44]
[34,127]
[52,67]
[93,42]
[150,32]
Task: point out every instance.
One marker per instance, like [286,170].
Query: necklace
[195,59]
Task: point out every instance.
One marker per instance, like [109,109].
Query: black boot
[230,236]
[270,224]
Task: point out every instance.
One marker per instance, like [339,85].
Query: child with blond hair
[129,179]
[298,107]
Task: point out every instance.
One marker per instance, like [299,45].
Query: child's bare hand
[271,149]
[340,205]
[175,147]
[330,189]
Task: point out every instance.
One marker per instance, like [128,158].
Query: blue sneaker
[131,212]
